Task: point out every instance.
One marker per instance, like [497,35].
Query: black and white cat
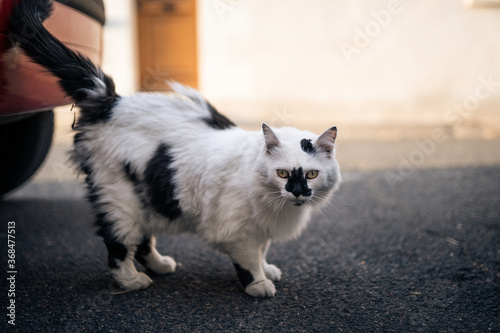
[172,163]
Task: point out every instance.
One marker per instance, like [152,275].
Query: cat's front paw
[264,288]
[139,281]
[163,265]
[272,272]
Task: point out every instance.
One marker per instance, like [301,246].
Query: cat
[172,163]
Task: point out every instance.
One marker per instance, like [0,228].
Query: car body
[28,93]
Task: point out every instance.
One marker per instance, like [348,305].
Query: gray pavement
[410,244]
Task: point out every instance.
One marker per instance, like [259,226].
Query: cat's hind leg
[120,226]
[149,257]
[118,202]
[122,268]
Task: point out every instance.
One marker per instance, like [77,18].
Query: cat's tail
[85,83]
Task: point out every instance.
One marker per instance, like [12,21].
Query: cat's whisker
[320,208]
[332,204]
[337,198]
[322,196]
[270,203]
[278,208]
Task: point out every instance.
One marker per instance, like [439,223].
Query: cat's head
[300,166]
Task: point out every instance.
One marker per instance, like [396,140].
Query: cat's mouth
[298,202]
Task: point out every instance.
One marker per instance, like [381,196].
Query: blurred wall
[371,67]
[357,63]
[120,54]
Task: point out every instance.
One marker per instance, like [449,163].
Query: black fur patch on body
[307,146]
[160,188]
[244,275]
[297,184]
[130,174]
[138,184]
[218,120]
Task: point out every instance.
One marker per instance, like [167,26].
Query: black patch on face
[307,146]
[143,250]
[160,188]
[244,275]
[217,120]
[297,184]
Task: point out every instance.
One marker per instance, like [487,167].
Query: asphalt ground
[411,243]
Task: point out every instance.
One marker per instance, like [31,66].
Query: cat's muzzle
[298,202]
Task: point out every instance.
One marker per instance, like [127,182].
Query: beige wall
[358,64]
[120,54]
[351,62]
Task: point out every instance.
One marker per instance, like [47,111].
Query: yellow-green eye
[283,173]
[312,174]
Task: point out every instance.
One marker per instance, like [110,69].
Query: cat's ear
[272,141]
[324,143]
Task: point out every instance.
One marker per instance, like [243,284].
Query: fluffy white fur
[226,181]
[171,163]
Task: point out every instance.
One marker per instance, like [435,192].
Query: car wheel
[23,147]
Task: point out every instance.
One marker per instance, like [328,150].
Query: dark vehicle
[28,94]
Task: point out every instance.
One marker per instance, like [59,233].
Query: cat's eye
[312,174]
[283,173]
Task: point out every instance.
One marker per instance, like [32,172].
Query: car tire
[24,145]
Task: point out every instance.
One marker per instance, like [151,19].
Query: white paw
[264,288]
[165,265]
[272,272]
[139,281]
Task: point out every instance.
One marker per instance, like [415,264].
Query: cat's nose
[297,191]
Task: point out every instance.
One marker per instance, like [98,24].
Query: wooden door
[167,43]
